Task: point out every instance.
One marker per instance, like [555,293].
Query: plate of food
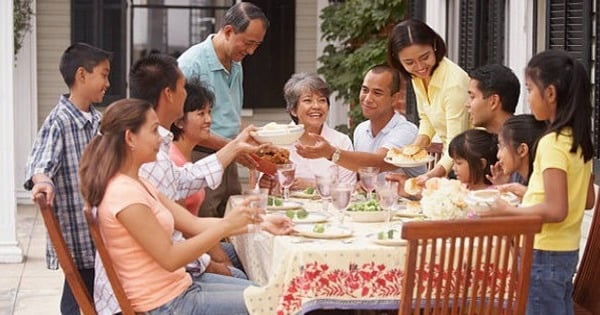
[322,230]
[408,156]
[308,193]
[278,204]
[278,134]
[388,237]
[303,216]
[481,200]
[410,209]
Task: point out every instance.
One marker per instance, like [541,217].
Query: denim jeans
[235,260]
[210,294]
[551,283]
[68,304]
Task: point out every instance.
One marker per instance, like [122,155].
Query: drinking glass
[285,175]
[387,196]
[341,193]
[368,179]
[261,203]
[323,184]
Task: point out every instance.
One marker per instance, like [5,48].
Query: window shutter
[596,103]
[468,43]
[416,10]
[495,32]
[569,27]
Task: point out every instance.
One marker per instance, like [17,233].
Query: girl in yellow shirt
[560,187]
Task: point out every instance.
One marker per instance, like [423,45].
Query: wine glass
[341,193]
[323,184]
[261,195]
[368,179]
[285,175]
[387,196]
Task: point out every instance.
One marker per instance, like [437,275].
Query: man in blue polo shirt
[217,62]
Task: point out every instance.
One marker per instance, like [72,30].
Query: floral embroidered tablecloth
[299,275]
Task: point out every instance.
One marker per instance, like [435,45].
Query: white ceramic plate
[374,237]
[408,163]
[286,205]
[303,195]
[331,231]
[312,217]
[481,200]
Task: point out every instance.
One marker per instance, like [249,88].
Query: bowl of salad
[367,211]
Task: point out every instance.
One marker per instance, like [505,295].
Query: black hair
[381,68]
[523,129]
[573,105]
[150,75]
[410,32]
[240,15]
[500,80]
[81,55]
[198,98]
[474,145]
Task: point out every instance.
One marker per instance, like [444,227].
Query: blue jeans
[210,294]
[68,304]
[551,283]
[235,260]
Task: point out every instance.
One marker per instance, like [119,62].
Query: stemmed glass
[285,175]
[368,179]
[323,184]
[341,193]
[387,196]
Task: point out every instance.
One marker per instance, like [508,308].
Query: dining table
[296,274]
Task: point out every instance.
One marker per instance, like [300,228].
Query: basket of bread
[407,156]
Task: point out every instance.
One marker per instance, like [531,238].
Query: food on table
[409,153]
[274,201]
[413,207]
[276,155]
[300,214]
[412,187]
[371,205]
[388,235]
[309,191]
[319,228]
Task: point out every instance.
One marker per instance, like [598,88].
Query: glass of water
[368,179]
[387,196]
[341,193]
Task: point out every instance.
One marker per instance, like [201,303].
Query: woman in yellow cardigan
[440,86]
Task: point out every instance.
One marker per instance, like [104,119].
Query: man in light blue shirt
[217,62]
[372,138]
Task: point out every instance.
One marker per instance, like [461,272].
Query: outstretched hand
[321,149]
[515,188]
[246,144]
[278,225]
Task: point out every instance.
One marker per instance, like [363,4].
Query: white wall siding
[53,37]
[306,35]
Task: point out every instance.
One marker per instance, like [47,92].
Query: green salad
[309,191]
[388,235]
[319,228]
[371,205]
[300,214]
[274,201]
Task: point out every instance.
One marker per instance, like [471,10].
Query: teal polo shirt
[201,61]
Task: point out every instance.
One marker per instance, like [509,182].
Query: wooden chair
[468,266]
[115,283]
[435,150]
[586,289]
[82,295]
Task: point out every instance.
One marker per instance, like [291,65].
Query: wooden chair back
[468,266]
[586,290]
[435,150]
[115,283]
[65,259]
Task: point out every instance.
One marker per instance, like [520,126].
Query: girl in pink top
[136,221]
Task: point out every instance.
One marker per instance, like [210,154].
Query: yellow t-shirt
[442,105]
[146,283]
[553,152]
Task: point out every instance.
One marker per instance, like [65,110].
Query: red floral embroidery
[372,280]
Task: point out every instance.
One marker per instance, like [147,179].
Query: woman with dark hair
[474,151]
[440,86]
[136,221]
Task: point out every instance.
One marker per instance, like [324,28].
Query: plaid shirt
[56,153]
[175,183]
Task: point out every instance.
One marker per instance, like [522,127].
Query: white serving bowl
[482,200]
[368,216]
[280,135]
